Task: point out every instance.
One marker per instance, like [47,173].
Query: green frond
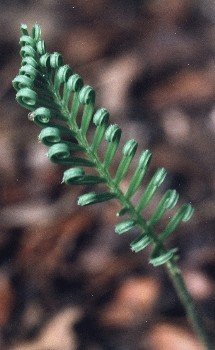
[53,92]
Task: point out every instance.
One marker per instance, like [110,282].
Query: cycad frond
[53,93]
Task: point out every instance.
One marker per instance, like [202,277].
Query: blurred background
[67,281]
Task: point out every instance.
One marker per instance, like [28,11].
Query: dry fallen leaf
[56,335]
[168,337]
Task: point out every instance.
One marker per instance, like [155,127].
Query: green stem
[172,268]
[187,301]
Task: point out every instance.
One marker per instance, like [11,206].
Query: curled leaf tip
[159,257]
[130,148]
[140,243]
[113,133]
[93,198]
[87,95]
[124,226]
[101,117]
